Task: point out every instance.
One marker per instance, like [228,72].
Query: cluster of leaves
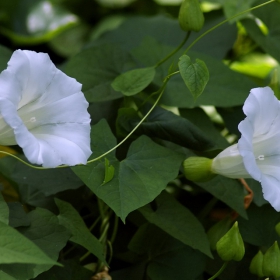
[64,223]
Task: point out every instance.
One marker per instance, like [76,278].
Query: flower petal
[229,163]
[34,71]
[245,147]
[261,108]
[44,110]
[271,191]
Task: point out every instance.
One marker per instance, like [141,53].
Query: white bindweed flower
[43,111]
[257,154]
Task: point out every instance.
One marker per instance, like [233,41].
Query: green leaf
[48,235]
[268,41]
[165,125]
[178,221]
[259,228]
[15,248]
[109,172]
[5,276]
[71,270]
[4,210]
[201,120]
[18,217]
[227,190]
[70,219]
[134,81]
[48,182]
[226,88]
[104,63]
[149,166]
[166,257]
[195,75]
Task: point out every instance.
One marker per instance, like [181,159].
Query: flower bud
[231,246]
[277,228]
[256,265]
[190,16]
[271,261]
[217,231]
[198,169]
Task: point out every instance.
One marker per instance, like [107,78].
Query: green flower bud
[231,246]
[277,228]
[217,231]
[198,169]
[256,265]
[190,16]
[271,261]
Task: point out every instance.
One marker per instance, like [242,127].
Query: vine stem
[161,90]
[219,272]
[173,52]
[224,21]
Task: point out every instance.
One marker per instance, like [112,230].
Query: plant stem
[174,51]
[219,272]
[226,20]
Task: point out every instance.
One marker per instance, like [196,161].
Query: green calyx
[198,169]
[230,246]
[190,16]
[256,265]
[271,261]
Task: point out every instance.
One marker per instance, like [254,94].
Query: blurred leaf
[70,271]
[18,217]
[4,210]
[269,15]
[195,75]
[233,7]
[165,31]
[149,166]
[259,228]
[104,63]
[167,258]
[15,248]
[229,191]
[70,41]
[5,55]
[178,221]
[201,120]
[134,81]
[165,125]
[70,219]
[224,89]
[38,22]
[5,276]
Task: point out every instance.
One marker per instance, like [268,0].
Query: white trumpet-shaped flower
[43,111]
[257,153]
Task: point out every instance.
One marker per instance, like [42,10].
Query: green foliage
[195,75]
[155,166]
[178,221]
[131,208]
[134,81]
[70,219]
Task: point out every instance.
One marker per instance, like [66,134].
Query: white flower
[257,154]
[43,111]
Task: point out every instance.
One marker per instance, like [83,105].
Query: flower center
[261,157]
[33,119]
